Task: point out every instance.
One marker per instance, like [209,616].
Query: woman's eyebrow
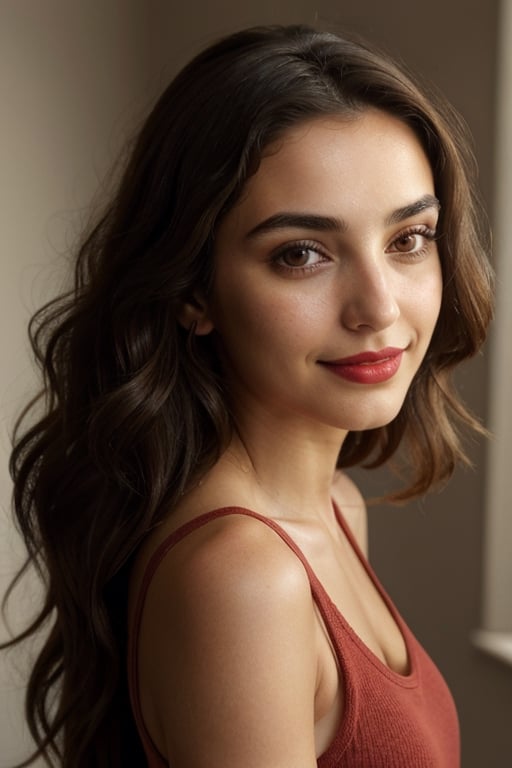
[423,204]
[289,220]
[292,220]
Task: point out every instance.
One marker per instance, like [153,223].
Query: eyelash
[422,231]
[300,245]
[308,245]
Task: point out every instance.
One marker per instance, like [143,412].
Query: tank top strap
[319,595]
[380,705]
[345,527]
[198,522]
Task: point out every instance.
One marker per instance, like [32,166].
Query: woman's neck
[287,465]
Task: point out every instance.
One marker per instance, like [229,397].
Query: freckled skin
[363,288]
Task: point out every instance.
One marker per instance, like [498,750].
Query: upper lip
[370,356]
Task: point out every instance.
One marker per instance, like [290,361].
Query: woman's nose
[370,298]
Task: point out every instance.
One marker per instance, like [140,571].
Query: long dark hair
[133,405]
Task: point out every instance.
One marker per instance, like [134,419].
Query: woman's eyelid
[327,251]
[423,229]
[429,221]
[425,225]
[305,244]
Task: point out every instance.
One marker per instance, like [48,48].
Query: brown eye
[407,243]
[413,242]
[297,257]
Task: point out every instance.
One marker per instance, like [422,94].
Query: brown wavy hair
[133,406]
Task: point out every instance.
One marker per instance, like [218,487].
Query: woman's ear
[194,314]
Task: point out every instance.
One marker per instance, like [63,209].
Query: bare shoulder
[350,501]
[228,654]
[236,550]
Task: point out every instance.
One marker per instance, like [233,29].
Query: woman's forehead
[337,167]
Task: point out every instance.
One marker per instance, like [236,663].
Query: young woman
[292,267]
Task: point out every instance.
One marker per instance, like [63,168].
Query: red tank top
[389,720]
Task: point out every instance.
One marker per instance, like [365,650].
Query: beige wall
[75,73]
[72,75]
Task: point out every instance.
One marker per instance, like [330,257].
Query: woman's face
[327,278]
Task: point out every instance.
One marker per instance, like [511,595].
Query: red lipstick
[371,367]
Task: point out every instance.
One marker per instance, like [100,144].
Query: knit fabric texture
[389,720]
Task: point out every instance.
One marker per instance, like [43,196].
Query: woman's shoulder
[228,558]
[226,546]
[229,619]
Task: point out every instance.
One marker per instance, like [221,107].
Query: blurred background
[76,79]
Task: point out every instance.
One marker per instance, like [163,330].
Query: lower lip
[367,373]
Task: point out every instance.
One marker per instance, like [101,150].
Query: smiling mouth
[371,367]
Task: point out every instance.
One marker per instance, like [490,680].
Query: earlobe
[194,315]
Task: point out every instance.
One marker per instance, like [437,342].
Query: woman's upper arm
[233,666]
